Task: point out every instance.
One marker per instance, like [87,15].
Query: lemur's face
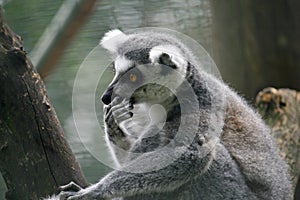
[145,75]
[152,83]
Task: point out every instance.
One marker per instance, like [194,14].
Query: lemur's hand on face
[116,112]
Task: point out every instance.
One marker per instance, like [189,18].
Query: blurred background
[255,44]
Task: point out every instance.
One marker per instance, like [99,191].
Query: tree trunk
[34,155]
[281,111]
[297,190]
[252,37]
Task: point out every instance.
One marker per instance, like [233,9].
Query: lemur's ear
[165,59]
[167,55]
[112,39]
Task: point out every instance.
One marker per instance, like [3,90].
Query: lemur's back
[251,146]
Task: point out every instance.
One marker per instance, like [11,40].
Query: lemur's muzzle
[107,95]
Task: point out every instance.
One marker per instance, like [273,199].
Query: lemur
[224,151]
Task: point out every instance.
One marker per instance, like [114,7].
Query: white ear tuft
[173,51]
[112,39]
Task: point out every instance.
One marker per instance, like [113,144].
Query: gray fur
[231,156]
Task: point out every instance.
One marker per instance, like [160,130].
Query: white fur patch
[158,115]
[174,53]
[122,64]
[112,39]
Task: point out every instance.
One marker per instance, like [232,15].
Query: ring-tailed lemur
[230,156]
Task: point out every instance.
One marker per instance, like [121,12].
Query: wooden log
[34,155]
[280,109]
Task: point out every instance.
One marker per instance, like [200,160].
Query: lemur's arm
[157,171]
[129,180]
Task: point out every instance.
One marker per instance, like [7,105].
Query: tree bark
[34,155]
[281,111]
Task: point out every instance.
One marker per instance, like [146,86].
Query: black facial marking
[139,55]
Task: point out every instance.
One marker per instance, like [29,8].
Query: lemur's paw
[118,112]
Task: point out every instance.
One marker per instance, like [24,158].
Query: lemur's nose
[106,97]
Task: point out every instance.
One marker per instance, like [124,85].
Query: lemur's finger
[123,117]
[115,101]
[118,110]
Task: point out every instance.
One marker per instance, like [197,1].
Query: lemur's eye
[133,78]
